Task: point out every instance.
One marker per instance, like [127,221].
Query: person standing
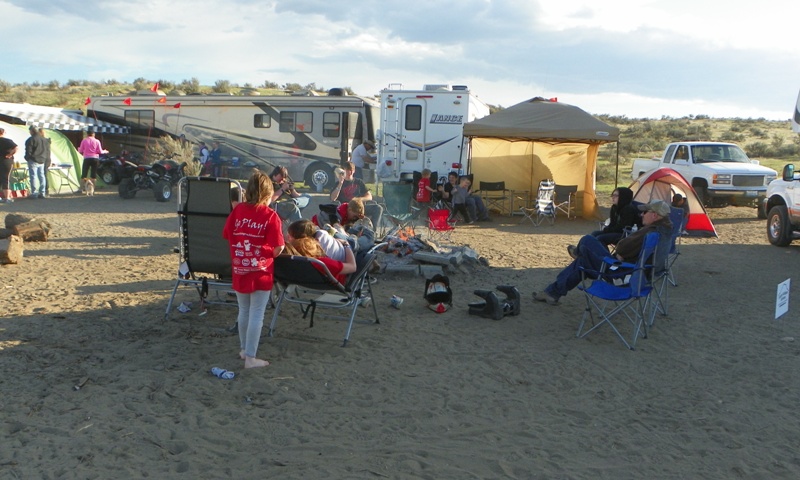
[361,157]
[215,156]
[7,150]
[91,149]
[203,154]
[253,231]
[35,149]
[47,160]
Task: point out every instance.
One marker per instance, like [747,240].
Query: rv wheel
[320,176]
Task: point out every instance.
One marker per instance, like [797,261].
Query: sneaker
[573,251]
[6,200]
[545,297]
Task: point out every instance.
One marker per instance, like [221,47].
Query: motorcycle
[112,168]
[160,177]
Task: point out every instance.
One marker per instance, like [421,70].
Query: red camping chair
[439,227]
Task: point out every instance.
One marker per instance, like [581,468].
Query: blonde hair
[308,247]
[259,189]
[356,207]
[426,173]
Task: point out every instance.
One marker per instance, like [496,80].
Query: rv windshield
[718,153]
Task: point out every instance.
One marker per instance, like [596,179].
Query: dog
[88,187]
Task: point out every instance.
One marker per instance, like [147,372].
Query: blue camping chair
[666,275]
[620,289]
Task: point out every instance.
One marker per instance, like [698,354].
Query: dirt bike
[160,177]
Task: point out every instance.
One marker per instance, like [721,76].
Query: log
[14,219]
[11,250]
[35,231]
[6,232]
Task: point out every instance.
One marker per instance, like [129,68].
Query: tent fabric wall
[62,151]
[523,164]
[539,139]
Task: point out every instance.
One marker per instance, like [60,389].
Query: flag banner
[162,100]
[177,105]
[127,101]
[87,101]
[154,88]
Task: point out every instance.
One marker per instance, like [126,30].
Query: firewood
[35,231]
[11,249]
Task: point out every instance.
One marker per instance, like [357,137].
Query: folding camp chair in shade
[495,196]
[564,199]
[620,289]
[544,206]
[397,210]
[204,204]
[313,286]
[439,225]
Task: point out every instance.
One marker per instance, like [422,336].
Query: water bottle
[634,228]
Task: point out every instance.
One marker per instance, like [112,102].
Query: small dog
[88,187]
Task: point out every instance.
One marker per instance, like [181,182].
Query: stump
[14,219]
[11,249]
[35,231]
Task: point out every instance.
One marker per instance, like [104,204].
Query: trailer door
[413,146]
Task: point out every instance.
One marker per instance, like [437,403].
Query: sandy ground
[711,393]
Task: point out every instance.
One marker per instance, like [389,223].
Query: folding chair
[495,195]
[565,199]
[439,225]
[397,212]
[620,288]
[316,287]
[204,204]
[666,275]
[544,206]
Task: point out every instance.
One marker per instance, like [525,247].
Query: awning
[57,118]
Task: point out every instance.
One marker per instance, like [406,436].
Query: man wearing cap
[590,252]
[35,154]
[361,157]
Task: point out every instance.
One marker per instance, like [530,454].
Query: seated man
[282,185]
[349,187]
[590,252]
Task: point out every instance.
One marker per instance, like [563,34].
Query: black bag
[329,213]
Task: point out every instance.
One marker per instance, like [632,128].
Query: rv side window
[330,124]
[296,122]
[262,120]
[413,117]
[140,118]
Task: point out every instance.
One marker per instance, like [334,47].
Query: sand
[711,393]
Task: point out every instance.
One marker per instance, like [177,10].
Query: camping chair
[495,195]
[439,225]
[315,287]
[397,212]
[620,288]
[665,275]
[204,204]
[565,199]
[544,206]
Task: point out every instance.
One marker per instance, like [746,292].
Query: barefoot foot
[252,362]
[242,356]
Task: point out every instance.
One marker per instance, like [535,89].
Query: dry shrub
[177,150]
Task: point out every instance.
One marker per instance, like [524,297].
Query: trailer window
[330,124]
[262,120]
[140,118]
[413,117]
[296,122]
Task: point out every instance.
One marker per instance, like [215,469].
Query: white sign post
[782,299]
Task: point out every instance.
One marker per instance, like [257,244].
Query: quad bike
[160,177]
[112,168]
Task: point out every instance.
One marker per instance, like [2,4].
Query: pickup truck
[720,173]
[783,208]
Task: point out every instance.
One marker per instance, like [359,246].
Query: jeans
[36,175]
[251,318]
[477,210]
[591,253]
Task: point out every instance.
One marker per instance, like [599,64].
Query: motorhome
[310,135]
[424,129]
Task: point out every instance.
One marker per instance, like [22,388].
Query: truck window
[331,124]
[413,117]
[262,120]
[668,155]
[296,122]
[682,153]
[140,118]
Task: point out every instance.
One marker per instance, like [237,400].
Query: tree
[271,85]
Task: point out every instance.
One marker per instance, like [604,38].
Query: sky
[633,58]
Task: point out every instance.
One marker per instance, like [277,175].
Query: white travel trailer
[796,116]
[424,129]
[310,135]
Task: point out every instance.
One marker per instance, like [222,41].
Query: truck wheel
[109,175]
[127,188]
[779,229]
[320,176]
[162,191]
